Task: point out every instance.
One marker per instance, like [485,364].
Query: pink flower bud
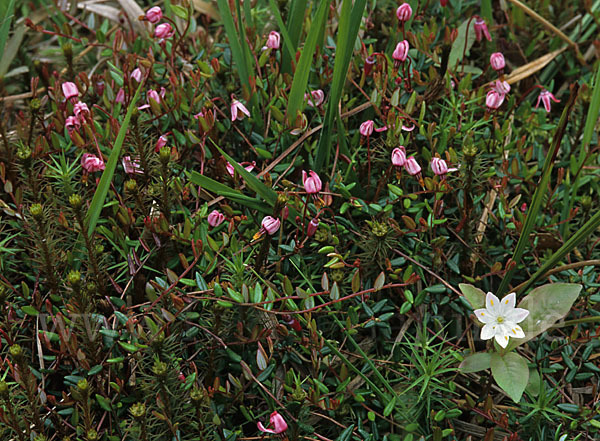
[497,61]
[366,128]
[401,52]
[238,110]
[120,98]
[132,165]
[285,212]
[91,163]
[312,227]
[502,87]
[545,97]
[494,99]
[274,39]
[248,166]
[154,14]
[72,123]
[481,29]
[311,182]
[443,2]
[162,141]
[439,166]
[277,422]
[81,110]
[399,156]
[215,218]
[412,166]
[69,90]
[369,63]
[136,75]
[404,12]
[270,225]
[163,30]
[315,98]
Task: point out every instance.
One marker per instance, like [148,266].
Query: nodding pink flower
[154,95]
[439,166]
[273,40]
[502,87]
[277,422]
[312,227]
[481,29]
[311,182]
[91,163]
[80,110]
[238,110]
[120,98]
[494,99]
[401,52]
[270,225]
[162,141]
[404,12]
[215,218]
[315,98]
[399,156]
[366,128]
[497,61]
[369,63]
[163,30]
[154,14]
[412,166]
[132,165]
[248,166]
[72,123]
[136,75]
[545,98]
[70,90]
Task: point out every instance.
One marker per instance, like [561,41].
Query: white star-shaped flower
[500,318]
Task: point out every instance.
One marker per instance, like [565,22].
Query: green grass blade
[100,195]
[538,197]
[287,39]
[585,231]
[6,22]
[296,96]
[295,21]
[234,42]
[350,18]
[588,132]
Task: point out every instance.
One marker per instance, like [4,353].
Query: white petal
[484,316]
[516,315]
[492,303]
[502,340]
[516,331]
[488,331]
[508,303]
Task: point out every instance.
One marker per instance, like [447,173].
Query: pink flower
[277,422]
[545,98]
[163,30]
[136,75]
[69,90]
[248,166]
[369,63]
[120,98]
[401,52]
[399,156]
[315,98]
[274,39]
[439,166]
[151,95]
[312,227]
[215,218]
[154,14]
[502,87]
[270,225]
[481,29]
[72,123]
[366,128]
[311,182]
[236,107]
[91,163]
[404,12]
[162,141]
[132,165]
[412,166]
[494,99]
[80,110]
[497,61]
